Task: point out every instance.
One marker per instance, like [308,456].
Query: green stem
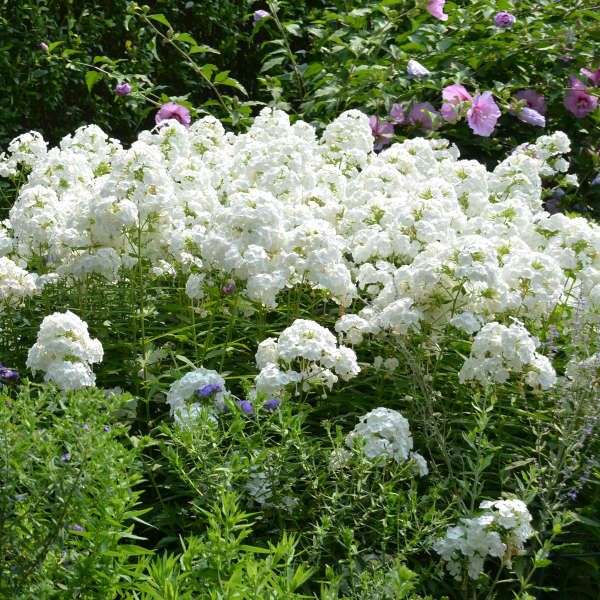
[191,62]
[297,74]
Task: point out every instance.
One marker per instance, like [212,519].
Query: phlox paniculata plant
[305,354]
[65,352]
[413,238]
[500,531]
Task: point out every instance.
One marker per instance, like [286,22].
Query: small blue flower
[207,390]
[272,404]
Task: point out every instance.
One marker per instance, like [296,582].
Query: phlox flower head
[65,351]
[382,132]
[436,9]
[385,433]
[504,20]
[423,114]
[483,114]
[172,110]
[577,100]
[123,89]
[204,384]
[454,97]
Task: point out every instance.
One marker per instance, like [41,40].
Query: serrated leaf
[91,78]
[161,19]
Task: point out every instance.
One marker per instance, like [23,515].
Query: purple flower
[123,89]
[483,114]
[64,457]
[416,70]
[595,76]
[531,116]
[6,373]
[246,406]
[75,527]
[44,46]
[106,428]
[532,100]
[421,115]
[577,100]
[272,404]
[397,114]
[436,9]
[85,426]
[382,132]
[504,19]
[172,110]
[454,97]
[228,289]
[8,404]
[207,390]
[259,15]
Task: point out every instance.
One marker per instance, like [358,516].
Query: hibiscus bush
[326,370]
[510,68]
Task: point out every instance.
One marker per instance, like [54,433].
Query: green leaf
[208,70]
[184,37]
[161,19]
[202,48]
[91,78]
[294,29]
[276,60]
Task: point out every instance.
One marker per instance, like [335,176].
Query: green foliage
[355,54]
[70,496]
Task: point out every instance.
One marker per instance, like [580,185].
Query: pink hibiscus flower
[172,110]
[436,9]
[483,114]
[577,100]
[454,97]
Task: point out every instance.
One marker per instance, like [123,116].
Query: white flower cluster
[65,352]
[186,394]
[500,531]
[417,235]
[15,283]
[498,350]
[386,433]
[305,353]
